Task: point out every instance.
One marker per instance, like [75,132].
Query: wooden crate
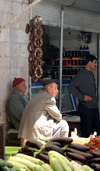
[81,141]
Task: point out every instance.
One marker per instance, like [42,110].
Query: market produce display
[59,154]
[94,144]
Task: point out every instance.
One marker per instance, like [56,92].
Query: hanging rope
[21,13]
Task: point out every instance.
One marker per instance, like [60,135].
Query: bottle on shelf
[67,53]
[69,62]
[48,72]
[84,51]
[81,51]
[77,53]
[74,53]
[65,62]
[70,53]
[77,62]
[66,71]
[81,62]
[87,50]
[64,53]
[73,62]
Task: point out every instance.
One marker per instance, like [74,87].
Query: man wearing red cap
[17,102]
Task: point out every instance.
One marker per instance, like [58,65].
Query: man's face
[22,87]
[93,65]
[53,90]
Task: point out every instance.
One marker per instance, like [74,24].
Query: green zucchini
[30,158]
[37,167]
[2,162]
[15,169]
[4,168]
[5,163]
[19,165]
[62,159]
[27,163]
[87,168]
[54,163]
[47,167]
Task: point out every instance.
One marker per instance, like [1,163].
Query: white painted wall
[13,49]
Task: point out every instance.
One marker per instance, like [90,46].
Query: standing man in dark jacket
[17,102]
[83,87]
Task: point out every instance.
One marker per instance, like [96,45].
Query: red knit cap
[17,81]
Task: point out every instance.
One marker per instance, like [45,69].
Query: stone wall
[13,49]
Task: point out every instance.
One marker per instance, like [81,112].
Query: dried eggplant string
[34,48]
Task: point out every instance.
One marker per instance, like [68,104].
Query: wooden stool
[12,138]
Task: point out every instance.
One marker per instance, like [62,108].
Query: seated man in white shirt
[41,118]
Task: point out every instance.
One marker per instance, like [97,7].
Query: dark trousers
[89,120]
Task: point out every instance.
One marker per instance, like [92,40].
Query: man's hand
[87,98]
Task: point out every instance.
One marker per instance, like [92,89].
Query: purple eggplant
[55,143]
[63,140]
[85,154]
[49,147]
[95,166]
[94,160]
[34,143]
[43,157]
[79,147]
[45,152]
[26,148]
[76,156]
[95,153]
[29,153]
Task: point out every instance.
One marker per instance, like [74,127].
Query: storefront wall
[13,49]
[14,40]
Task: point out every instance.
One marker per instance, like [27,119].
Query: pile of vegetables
[94,144]
[22,162]
[56,154]
[6,166]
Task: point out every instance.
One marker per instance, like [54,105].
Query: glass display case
[68,102]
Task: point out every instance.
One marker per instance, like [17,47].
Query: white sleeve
[53,110]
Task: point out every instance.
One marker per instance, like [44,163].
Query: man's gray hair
[48,85]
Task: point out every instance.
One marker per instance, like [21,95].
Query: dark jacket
[15,107]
